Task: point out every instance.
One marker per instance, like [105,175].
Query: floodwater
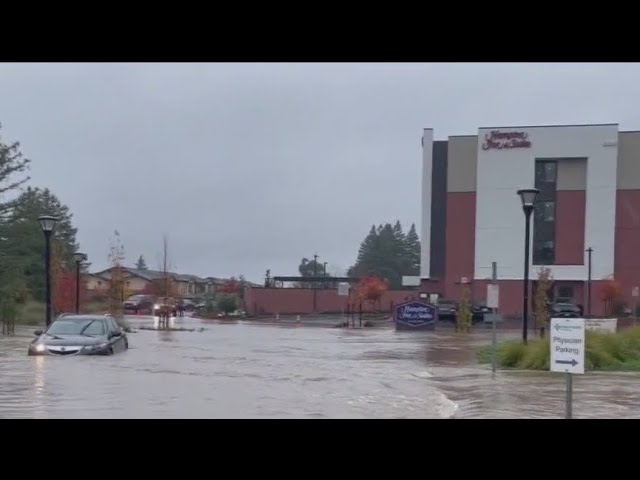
[236,369]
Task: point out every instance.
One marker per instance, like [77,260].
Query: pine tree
[412,243]
[12,163]
[388,253]
[141,264]
[23,241]
[402,257]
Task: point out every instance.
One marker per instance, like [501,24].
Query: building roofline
[463,136]
[628,131]
[553,126]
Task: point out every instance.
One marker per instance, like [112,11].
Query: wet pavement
[240,369]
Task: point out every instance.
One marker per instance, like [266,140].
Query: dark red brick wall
[460,252]
[293,301]
[627,242]
[569,226]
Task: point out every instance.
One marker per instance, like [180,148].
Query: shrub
[604,351]
[227,304]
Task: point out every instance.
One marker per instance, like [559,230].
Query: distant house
[138,280]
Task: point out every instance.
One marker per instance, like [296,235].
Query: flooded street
[252,370]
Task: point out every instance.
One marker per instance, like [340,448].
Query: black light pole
[48,225]
[325,285]
[589,252]
[78,258]
[315,271]
[528,197]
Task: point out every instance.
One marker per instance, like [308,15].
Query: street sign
[635,292]
[410,281]
[493,295]
[567,345]
[415,315]
[343,289]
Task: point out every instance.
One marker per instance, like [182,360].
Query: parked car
[479,311]
[80,335]
[565,310]
[165,306]
[138,303]
[447,310]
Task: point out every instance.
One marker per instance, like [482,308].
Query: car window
[69,326]
[96,328]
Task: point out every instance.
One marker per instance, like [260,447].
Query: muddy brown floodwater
[260,370]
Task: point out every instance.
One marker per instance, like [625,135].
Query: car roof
[81,318]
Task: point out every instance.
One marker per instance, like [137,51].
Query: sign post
[493,301]
[343,291]
[568,352]
[635,293]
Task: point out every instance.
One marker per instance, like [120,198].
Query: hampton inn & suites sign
[506,140]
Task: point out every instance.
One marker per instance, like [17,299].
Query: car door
[115,341]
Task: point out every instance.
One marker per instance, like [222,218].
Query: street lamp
[528,197]
[48,225]
[78,258]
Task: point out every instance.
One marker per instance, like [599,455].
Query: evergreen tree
[388,253]
[12,163]
[141,264]
[412,243]
[23,241]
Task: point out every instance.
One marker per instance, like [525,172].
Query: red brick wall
[627,242]
[569,225]
[461,226]
[292,301]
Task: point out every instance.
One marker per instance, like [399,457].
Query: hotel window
[546,171]
[545,212]
[544,218]
[544,253]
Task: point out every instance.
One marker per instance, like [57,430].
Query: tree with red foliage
[230,286]
[611,293]
[64,292]
[371,289]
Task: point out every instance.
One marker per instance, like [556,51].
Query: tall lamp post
[528,197]
[589,252]
[48,225]
[78,258]
[315,273]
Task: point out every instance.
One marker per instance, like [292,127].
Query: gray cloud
[252,166]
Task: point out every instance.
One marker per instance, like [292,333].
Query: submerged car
[80,335]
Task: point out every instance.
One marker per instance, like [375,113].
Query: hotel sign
[506,140]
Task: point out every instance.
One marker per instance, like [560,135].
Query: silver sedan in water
[80,335]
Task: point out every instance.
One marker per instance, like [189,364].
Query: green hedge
[605,351]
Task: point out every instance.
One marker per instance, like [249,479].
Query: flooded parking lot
[252,370]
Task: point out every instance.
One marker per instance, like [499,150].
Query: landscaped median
[604,351]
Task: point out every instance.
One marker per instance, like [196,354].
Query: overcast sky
[253,166]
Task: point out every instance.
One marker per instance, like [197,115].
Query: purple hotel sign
[415,315]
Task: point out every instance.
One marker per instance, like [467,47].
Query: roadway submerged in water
[231,369]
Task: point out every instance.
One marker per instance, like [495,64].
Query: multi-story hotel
[589,182]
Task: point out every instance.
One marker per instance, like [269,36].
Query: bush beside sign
[415,315]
